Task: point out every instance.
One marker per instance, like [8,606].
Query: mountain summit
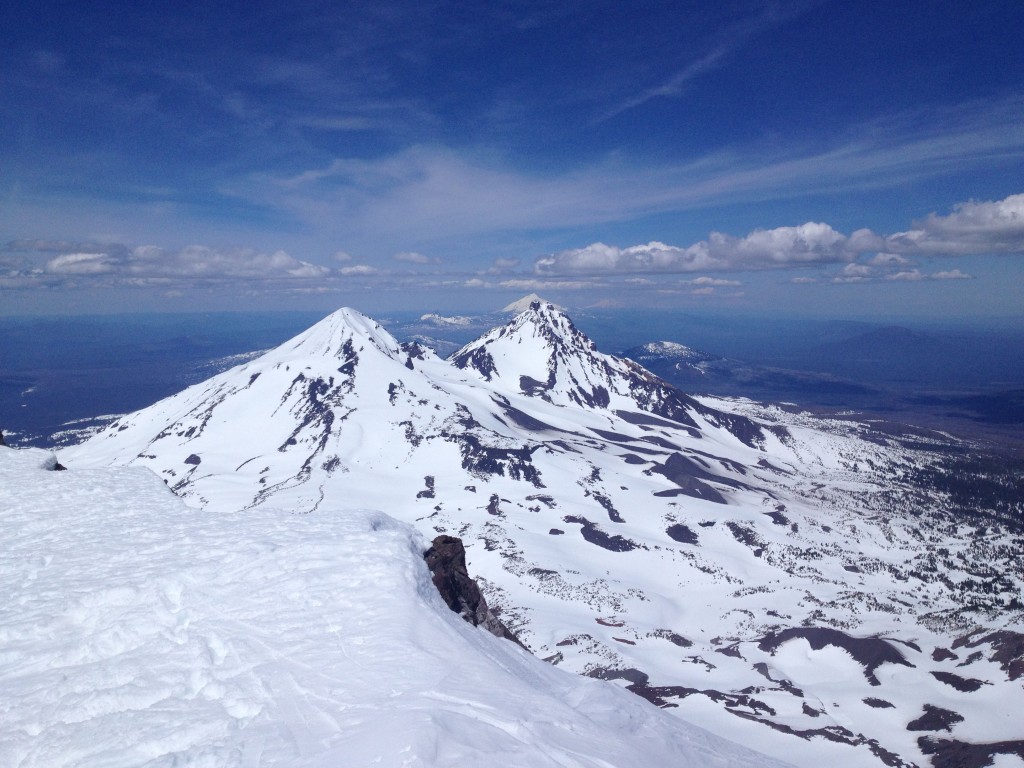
[777,577]
[523,304]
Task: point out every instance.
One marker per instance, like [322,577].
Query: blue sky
[825,157]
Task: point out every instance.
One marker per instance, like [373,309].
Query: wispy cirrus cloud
[724,45]
[427,194]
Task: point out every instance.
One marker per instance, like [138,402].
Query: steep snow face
[677,545]
[137,631]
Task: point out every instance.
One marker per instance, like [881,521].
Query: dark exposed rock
[785,685]
[595,535]
[2,438]
[950,753]
[962,684]
[870,652]
[556,532]
[871,701]
[672,637]
[604,501]
[659,695]
[482,460]
[446,560]
[428,492]
[942,654]
[730,650]
[935,719]
[1007,647]
[494,506]
[193,460]
[682,534]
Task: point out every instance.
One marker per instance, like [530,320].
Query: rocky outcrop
[446,560]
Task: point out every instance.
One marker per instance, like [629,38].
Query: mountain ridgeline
[778,578]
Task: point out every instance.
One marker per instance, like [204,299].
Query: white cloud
[953,274]
[502,266]
[359,270]
[856,270]
[548,285]
[713,281]
[412,257]
[342,256]
[150,265]
[912,275]
[972,228]
[198,261]
[80,264]
[807,244]
[888,260]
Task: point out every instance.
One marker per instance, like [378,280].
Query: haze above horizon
[817,158]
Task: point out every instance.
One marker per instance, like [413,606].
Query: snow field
[136,631]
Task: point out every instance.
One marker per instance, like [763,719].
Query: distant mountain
[523,304]
[785,581]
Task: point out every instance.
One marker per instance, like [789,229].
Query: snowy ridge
[138,631]
[692,549]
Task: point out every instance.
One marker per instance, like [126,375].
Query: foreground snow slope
[136,631]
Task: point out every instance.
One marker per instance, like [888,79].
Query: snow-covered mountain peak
[540,352]
[340,334]
[523,304]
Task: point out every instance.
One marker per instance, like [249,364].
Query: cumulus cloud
[972,228]
[952,274]
[807,244]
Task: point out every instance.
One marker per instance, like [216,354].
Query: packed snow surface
[137,631]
